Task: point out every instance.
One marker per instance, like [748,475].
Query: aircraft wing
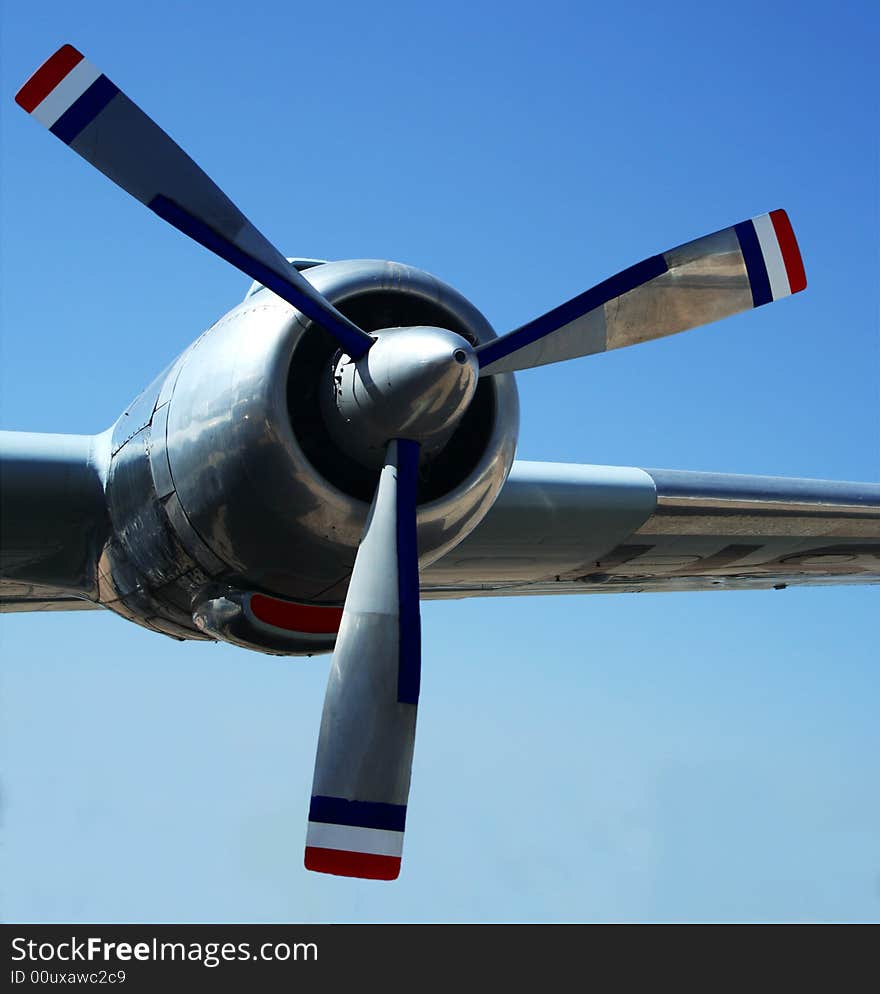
[53,520]
[555,528]
[559,528]
[18,597]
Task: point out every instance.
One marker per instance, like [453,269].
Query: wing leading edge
[559,528]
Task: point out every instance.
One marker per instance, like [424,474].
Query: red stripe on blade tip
[342,863]
[47,77]
[791,254]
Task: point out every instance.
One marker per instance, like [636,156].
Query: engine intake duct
[310,383]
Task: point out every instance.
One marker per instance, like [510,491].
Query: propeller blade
[79,105]
[732,270]
[365,747]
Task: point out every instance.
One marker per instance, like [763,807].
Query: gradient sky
[665,757]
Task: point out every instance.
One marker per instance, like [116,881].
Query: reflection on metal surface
[738,532]
[699,504]
[706,281]
[548,520]
[415,383]
[692,285]
[241,472]
[53,518]
[715,503]
[210,486]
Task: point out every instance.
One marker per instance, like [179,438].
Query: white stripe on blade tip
[773,260]
[66,93]
[349,838]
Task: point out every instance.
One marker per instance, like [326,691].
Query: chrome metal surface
[414,383]
[554,529]
[367,735]
[245,484]
[145,572]
[706,280]
[703,494]
[209,485]
[16,598]
[563,529]
[53,520]
[550,518]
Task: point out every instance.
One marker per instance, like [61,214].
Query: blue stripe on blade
[84,109]
[755,265]
[359,814]
[354,342]
[560,316]
[409,663]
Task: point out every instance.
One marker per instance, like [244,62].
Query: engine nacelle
[225,480]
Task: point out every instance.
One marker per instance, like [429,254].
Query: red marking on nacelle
[307,618]
[47,77]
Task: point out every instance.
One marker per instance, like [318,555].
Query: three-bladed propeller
[407,395]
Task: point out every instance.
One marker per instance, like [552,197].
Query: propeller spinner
[413,383]
[391,398]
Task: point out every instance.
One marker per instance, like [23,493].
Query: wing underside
[597,529]
[16,598]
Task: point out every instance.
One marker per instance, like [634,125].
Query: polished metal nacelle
[225,478]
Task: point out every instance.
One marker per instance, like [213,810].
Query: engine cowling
[249,487]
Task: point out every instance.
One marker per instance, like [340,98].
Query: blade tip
[341,863]
[791,253]
[47,77]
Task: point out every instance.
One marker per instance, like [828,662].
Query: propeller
[399,395]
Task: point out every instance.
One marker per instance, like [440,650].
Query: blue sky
[653,757]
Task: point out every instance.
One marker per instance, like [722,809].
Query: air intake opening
[314,355]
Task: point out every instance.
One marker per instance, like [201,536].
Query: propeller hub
[413,383]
